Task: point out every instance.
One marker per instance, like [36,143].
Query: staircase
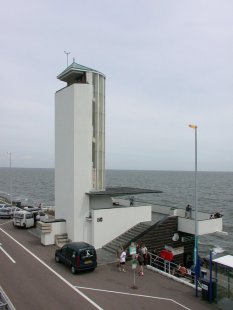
[61,240]
[45,228]
[126,237]
[161,233]
[155,236]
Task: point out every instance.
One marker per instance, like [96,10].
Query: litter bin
[205,284]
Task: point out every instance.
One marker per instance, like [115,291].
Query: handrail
[171,268]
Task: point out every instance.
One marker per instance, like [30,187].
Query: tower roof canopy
[121,191]
[75,71]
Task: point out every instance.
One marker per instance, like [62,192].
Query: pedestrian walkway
[108,287]
[104,257]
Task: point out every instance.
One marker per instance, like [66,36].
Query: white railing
[167,267]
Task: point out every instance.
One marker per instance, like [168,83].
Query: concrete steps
[44,227]
[61,240]
[126,237]
[156,236]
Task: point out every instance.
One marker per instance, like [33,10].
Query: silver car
[6,212]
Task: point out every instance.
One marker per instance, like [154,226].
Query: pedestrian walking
[140,261]
[144,253]
[131,200]
[118,254]
[122,260]
[188,211]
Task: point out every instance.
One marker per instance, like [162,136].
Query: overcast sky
[168,63]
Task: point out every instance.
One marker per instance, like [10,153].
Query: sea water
[215,193]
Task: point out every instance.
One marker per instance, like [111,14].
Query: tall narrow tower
[79,146]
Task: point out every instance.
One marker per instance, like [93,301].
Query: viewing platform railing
[168,267]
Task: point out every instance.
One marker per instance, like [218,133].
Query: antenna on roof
[67,57]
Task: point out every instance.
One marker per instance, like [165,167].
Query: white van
[23,219]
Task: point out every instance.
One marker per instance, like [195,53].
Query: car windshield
[4,206]
[29,216]
[18,215]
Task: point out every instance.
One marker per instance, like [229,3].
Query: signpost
[134,262]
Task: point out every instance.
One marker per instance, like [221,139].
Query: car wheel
[92,269]
[73,270]
[24,225]
[57,259]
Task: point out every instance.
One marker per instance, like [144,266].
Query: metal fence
[179,271]
[221,278]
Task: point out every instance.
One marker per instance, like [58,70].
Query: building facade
[79,146]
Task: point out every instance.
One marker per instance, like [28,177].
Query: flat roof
[226,260]
[121,191]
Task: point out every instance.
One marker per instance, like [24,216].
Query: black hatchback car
[78,256]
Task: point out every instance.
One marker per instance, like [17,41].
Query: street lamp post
[9,153]
[196,214]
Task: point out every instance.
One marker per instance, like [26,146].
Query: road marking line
[54,272]
[6,222]
[130,294]
[13,261]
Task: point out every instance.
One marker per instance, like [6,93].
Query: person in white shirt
[122,261]
[144,253]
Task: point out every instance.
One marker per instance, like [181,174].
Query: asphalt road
[30,285]
[43,284]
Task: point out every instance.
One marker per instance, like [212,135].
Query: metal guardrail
[186,274]
[5,302]
[222,280]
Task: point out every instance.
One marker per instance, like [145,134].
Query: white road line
[6,222]
[130,294]
[54,272]
[13,261]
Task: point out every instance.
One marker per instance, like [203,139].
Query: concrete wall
[107,224]
[73,157]
[56,229]
[210,226]
[100,202]
[204,226]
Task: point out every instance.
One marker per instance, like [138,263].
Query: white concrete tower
[79,146]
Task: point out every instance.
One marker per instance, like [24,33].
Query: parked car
[41,216]
[78,256]
[14,209]
[23,218]
[6,212]
[4,205]
[38,214]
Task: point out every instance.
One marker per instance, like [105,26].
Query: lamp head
[193,126]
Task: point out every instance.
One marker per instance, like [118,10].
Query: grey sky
[168,63]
